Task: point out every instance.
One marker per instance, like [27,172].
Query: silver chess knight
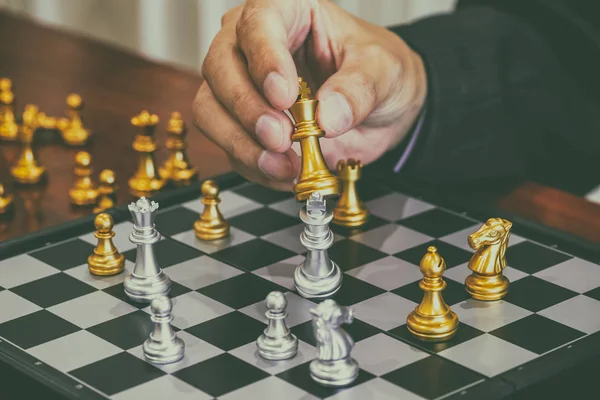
[334,365]
[277,342]
[147,280]
[317,276]
[163,346]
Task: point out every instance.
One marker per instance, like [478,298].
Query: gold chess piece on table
[314,173]
[177,168]
[6,201]
[107,191]
[84,191]
[8,125]
[350,210]
[432,320]
[106,259]
[72,129]
[487,281]
[211,225]
[27,170]
[145,180]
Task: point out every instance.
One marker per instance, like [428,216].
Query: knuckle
[230,15]
[250,19]
[368,86]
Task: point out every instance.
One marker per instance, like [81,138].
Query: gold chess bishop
[106,259]
[314,173]
[350,210]
[146,179]
[211,225]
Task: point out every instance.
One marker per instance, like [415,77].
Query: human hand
[371,86]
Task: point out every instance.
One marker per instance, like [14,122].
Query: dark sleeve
[499,103]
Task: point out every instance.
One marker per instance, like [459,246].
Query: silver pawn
[334,365]
[163,346]
[147,279]
[317,276]
[277,342]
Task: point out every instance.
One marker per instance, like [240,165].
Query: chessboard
[81,336]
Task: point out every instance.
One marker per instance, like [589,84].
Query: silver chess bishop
[317,276]
[163,346]
[276,342]
[147,280]
[334,365]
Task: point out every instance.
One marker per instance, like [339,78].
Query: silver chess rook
[334,365]
[147,280]
[317,276]
[277,342]
[163,346]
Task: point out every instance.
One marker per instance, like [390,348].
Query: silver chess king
[317,276]
[147,280]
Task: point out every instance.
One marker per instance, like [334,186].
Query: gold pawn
[177,168]
[107,191]
[106,259]
[27,170]
[211,225]
[350,210]
[72,129]
[314,173]
[84,191]
[6,201]
[145,180]
[432,320]
[8,125]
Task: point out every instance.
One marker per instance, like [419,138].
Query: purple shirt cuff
[411,143]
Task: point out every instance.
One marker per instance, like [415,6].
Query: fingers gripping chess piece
[146,179]
[106,259]
[277,342]
[317,276]
[84,191]
[177,168]
[334,365]
[27,170]
[107,191]
[314,173]
[163,346]
[147,280]
[211,225]
[487,281]
[72,129]
[350,210]
[432,320]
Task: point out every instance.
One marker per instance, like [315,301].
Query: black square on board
[127,331]
[36,328]
[349,254]
[372,223]
[118,291]
[262,221]
[168,252]
[436,222]
[176,220]
[65,255]
[464,333]
[355,290]
[241,290]
[214,376]
[253,254]
[262,194]
[537,334]
[453,293]
[117,373]
[535,294]
[452,255]
[358,330]
[300,376]
[229,331]
[594,293]
[369,190]
[531,258]
[54,289]
[418,377]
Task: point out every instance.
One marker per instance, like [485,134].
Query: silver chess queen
[147,280]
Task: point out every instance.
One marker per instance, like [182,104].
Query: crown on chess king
[304,113]
[143,212]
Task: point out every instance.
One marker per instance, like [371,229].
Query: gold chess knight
[487,281]
[314,173]
[350,210]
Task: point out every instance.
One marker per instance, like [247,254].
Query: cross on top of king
[304,91]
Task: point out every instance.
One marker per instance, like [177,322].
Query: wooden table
[47,64]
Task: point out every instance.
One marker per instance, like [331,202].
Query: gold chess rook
[314,173]
[106,259]
[211,225]
[350,210]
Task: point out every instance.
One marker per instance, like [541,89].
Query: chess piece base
[276,349]
[335,373]
[9,133]
[327,184]
[206,231]
[309,286]
[178,176]
[350,218]
[75,137]
[106,265]
[145,185]
[432,328]
[487,288]
[159,353]
[143,289]
[83,197]
[28,175]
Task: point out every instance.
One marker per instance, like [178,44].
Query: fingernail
[275,165]
[276,89]
[335,113]
[269,132]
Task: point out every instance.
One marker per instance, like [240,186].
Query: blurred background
[180,31]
